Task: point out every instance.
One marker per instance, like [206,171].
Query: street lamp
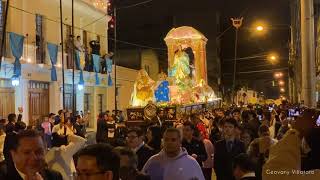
[282,90]
[260,28]
[278,75]
[15,81]
[273,58]
[281,83]
[237,23]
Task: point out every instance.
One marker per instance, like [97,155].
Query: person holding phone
[285,156]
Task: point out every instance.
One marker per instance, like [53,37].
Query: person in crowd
[283,128]
[135,141]
[2,139]
[3,122]
[199,125]
[79,127]
[120,118]
[120,134]
[219,115]
[254,122]
[285,156]
[259,148]
[236,114]
[97,162]
[246,137]
[63,128]
[266,118]
[243,168]
[238,131]
[245,117]
[46,125]
[215,134]
[111,129]
[194,147]
[114,115]
[207,165]
[9,143]
[102,130]
[59,117]
[11,125]
[226,150]
[173,161]
[154,137]
[272,124]
[28,158]
[60,156]
[128,165]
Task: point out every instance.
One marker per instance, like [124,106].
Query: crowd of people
[253,142]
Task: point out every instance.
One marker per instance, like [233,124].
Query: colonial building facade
[38,22]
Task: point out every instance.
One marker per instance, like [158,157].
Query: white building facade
[39,23]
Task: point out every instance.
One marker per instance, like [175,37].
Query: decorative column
[308,94]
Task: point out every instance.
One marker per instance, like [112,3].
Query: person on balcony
[95,47]
[78,44]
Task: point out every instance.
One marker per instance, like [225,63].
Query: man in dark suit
[102,130]
[12,118]
[28,158]
[79,127]
[226,150]
[243,168]
[135,137]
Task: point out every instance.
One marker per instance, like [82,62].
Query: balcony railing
[32,54]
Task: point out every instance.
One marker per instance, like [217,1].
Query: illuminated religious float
[186,85]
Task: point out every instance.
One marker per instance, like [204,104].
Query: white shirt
[61,158]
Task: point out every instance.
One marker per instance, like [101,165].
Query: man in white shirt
[60,157]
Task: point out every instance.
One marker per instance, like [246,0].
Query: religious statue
[203,92]
[142,90]
[162,89]
[181,68]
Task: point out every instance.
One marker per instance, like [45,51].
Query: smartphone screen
[318,121]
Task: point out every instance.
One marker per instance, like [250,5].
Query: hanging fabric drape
[109,70]
[16,45]
[53,53]
[79,66]
[96,66]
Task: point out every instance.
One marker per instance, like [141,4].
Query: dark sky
[149,23]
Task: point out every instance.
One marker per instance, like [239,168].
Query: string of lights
[120,41]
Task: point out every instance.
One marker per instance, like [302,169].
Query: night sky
[148,24]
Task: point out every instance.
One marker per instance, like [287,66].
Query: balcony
[33,54]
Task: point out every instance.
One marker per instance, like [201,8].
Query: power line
[259,71]
[134,5]
[94,21]
[120,41]
[138,45]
